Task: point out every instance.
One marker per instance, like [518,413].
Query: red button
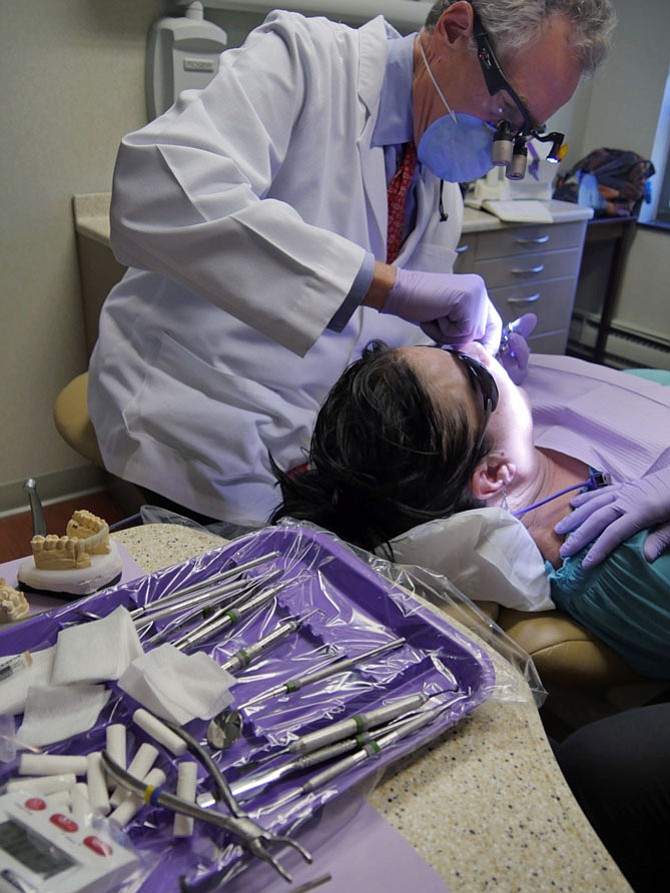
[63,822]
[35,803]
[98,846]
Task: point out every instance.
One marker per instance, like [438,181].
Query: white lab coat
[244,214]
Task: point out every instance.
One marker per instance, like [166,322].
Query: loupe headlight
[558,149]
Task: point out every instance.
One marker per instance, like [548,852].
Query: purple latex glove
[451,308]
[615,513]
[514,351]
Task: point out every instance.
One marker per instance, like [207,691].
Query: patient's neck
[544,473]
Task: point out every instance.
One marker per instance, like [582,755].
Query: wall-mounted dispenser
[182,53]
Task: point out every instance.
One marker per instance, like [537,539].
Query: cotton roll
[187,779]
[97,784]
[80,805]
[128,808]
[116,743]
[140,764]
[51,764]
[159,732]
[45,784]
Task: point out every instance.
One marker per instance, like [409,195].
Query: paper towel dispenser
[182,53]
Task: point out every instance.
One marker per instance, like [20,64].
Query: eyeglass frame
[482,381]
[496,80]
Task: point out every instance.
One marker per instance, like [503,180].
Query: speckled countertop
[486,804]
[91,214]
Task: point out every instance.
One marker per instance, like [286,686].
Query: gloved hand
[451,308]
[615,513]
[514,351]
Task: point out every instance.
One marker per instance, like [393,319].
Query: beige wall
[72,75]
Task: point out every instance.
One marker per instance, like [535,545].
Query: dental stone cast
[13,604]
[85,535]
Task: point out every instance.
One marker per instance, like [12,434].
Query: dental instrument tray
[315,636]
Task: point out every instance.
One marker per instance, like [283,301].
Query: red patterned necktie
[397,194]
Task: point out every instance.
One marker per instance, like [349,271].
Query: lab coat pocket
[181,392]
[430,258]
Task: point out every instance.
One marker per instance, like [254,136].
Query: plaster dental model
[13,604]
[79,563]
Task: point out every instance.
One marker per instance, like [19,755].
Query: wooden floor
[16,530]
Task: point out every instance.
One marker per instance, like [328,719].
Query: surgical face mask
[456,147]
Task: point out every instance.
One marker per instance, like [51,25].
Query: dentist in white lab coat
[253,219]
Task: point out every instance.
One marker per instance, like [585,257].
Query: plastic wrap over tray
[346,609]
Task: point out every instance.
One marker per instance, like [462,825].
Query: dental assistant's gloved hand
[451,308]
[615,513]
[514,351]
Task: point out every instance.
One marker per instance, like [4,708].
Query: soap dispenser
[182,54]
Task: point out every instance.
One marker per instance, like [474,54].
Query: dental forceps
[253,836]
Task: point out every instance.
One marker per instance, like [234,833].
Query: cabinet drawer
[552,342]
[528,268]
[550,301]
[466,253]
[530,238]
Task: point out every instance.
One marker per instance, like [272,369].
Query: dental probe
[339,666]
[360,722]
[225,617]
[262,779]
[242,658]
[370,749]
[174,603]
[203,584]
[212,597]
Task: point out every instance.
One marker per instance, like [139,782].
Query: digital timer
[45,849]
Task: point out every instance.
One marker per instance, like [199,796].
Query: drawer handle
[529,300]
[538,240]
[524,271]
[462,249]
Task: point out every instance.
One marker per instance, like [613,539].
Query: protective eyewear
[482,382]
[509,142]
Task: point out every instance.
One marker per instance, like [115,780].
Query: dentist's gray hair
[515,24]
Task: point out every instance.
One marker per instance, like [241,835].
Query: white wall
[623,112]
[72,75]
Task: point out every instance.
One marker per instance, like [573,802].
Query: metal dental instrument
[225,729]
[252,836]
[361,722]
[313,757]
[223,788]
[371,749]
[233,592]
[339,666]
[224,617]
[253,782]
[244,656]
[210,583]
[37,514]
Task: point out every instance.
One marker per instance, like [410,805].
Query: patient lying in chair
[436,458]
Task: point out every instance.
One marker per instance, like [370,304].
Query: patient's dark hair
[383,457]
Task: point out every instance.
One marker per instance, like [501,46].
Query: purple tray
[356,610]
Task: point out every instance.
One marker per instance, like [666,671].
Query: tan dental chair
[73,421]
